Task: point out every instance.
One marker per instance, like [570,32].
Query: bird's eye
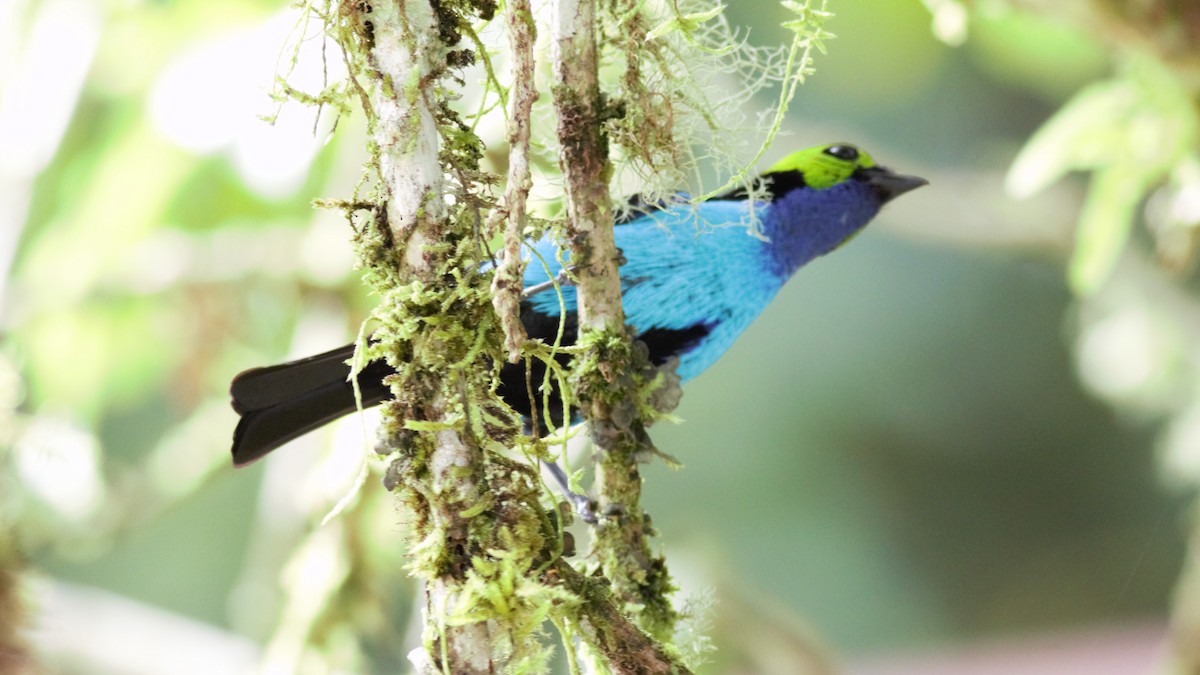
[848,153]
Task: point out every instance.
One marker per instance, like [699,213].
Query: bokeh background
[928,442]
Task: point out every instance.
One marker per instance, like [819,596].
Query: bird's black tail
[279,403]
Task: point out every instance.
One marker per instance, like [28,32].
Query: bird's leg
[563,278]
[583,504]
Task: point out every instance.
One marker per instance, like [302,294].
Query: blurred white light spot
[1120,354]
[1185,203]
[342,474]
[200,98]
[56,460]
[949,21]
[210,99]
[39,99]
[41,76]
[89,625]
[274,160]
[1181,448]
[325,253]
[158,261]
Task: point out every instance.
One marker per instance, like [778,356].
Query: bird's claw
[584,506]
[563,278]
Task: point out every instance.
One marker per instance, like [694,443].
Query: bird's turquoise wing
[692,279]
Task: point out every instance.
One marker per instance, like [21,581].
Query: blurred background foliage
[980,420]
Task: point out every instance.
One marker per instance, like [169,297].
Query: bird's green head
[824,165]
[820,198]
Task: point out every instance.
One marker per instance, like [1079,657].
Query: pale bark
[409,57]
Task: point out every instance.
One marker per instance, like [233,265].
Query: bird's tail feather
[280,403]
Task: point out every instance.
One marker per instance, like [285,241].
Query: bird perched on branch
[693,279]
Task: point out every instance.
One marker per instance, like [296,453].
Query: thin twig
[506,284]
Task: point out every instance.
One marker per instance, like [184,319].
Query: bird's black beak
[888,184]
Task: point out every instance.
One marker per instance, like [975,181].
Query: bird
[693,278]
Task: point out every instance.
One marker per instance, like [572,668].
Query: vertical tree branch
[609,379]
[481,542]
[508,281]
[583,158]
[408,57]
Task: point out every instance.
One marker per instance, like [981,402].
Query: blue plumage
[695,276]
[805,224]
[715,265]
[686,267]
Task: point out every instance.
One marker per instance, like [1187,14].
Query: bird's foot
[563,278]
[584,505]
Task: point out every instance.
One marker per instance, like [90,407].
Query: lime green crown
[825,165]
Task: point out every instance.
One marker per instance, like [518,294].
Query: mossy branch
[443,467]
[583,160]
[626,649]
[607,381]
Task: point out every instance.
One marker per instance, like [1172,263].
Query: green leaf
[687,24]
[1104,225]
[1132,132]
[1085,134]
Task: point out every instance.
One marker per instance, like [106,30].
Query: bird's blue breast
[804,224]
